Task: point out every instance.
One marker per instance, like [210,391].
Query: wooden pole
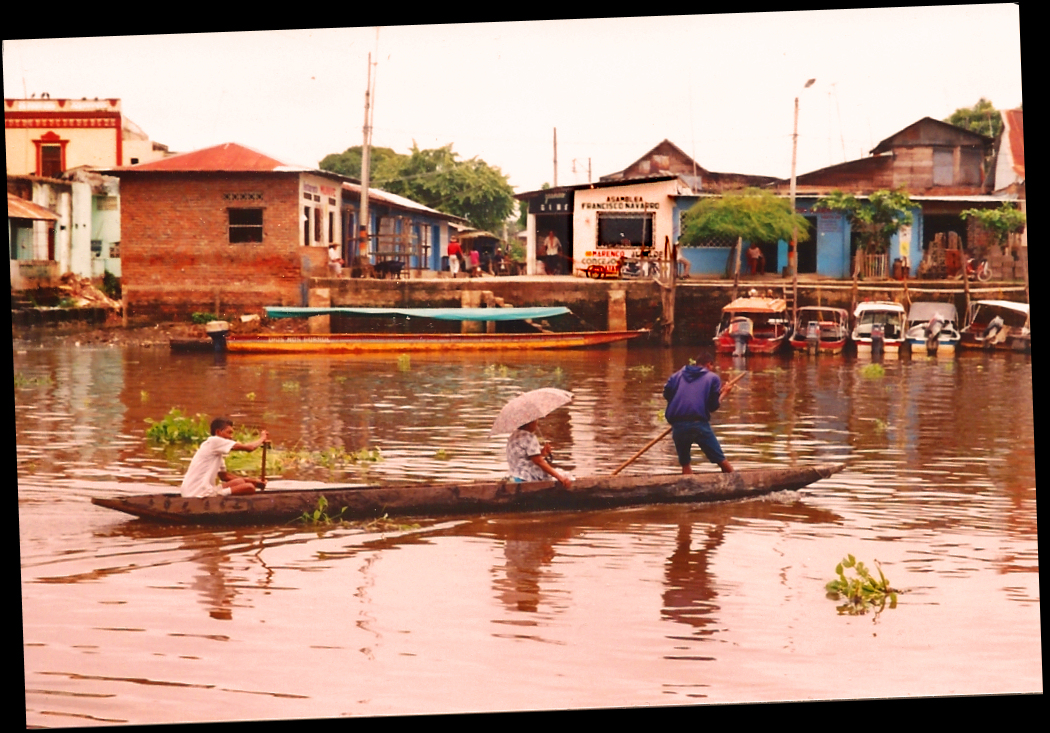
[262,475]
[661,436]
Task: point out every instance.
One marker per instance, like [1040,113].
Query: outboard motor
[878,338]
[740,330]
[218,331]
[812,335]
[992,331]
[933,333]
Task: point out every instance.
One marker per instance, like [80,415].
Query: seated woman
[528,460]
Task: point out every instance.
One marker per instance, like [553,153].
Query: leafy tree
[751,214]
[348,162]
[1000,222]
[436,178]
[982,118]
[877,219]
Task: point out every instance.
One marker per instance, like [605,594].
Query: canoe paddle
[661,436]
[262,476]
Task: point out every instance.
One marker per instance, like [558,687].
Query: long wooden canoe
[296,343]
[442,499]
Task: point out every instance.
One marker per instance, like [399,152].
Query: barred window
[722,241]
[246,225]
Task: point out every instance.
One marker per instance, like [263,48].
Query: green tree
[876,219]
[436,178]
[1001,222]
[348,162]
[982,118]
[751,214]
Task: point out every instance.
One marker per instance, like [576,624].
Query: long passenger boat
[411,342]
[444,499]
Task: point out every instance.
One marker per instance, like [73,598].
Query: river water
[130,623]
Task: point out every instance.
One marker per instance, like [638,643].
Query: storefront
[623,221]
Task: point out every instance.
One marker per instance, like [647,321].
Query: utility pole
[555,157]
[362,244]
[793,245]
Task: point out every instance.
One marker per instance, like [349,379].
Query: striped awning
[19,208]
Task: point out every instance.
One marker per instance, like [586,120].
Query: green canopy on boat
[441,314]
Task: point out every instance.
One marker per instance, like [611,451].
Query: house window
[306,226]
[246,225]
[943,167]
[625,230]
[318,234]
[50,161]
[331,227]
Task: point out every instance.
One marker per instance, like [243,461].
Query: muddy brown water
[126,622]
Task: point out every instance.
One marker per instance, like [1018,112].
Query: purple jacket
[692,394]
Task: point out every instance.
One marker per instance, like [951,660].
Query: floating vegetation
[499,370]
[23,382]
[176,427]
[862,592]
[320,514]
[442,454]
[642,369]
[332,459]
[404,363]
[250,396]
[320,517]
[873,371]
[143,396]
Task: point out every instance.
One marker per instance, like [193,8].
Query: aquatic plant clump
[178,428]
[861,592]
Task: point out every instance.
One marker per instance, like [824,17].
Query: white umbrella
[529,406]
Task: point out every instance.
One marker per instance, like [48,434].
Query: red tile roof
[225,157]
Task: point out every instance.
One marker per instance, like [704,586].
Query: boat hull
[725,344]
[822,346]
[442,499]
[292,343]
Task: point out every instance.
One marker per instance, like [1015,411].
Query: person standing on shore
[692,394]
[454,253]
[552,253]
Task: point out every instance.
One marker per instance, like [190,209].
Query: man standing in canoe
[692,394]
[209,464]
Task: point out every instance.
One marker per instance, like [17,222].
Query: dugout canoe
[364,343]
[479,497]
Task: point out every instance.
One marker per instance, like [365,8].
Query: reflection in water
[689,596]
[619,607]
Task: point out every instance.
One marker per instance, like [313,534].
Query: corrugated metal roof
[1013,124]
[228,157]
[19,208]
[376,194]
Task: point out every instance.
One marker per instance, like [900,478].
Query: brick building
[223,230]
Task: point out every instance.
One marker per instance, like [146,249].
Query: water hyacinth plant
[862,591]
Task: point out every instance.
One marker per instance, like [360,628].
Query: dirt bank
[113,333]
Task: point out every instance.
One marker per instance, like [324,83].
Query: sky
[721,87]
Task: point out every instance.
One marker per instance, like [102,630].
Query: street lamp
[793,246]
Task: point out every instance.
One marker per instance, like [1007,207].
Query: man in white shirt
[209,464]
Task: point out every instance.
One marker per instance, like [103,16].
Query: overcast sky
[721,87]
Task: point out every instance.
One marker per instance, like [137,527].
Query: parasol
[529,406]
